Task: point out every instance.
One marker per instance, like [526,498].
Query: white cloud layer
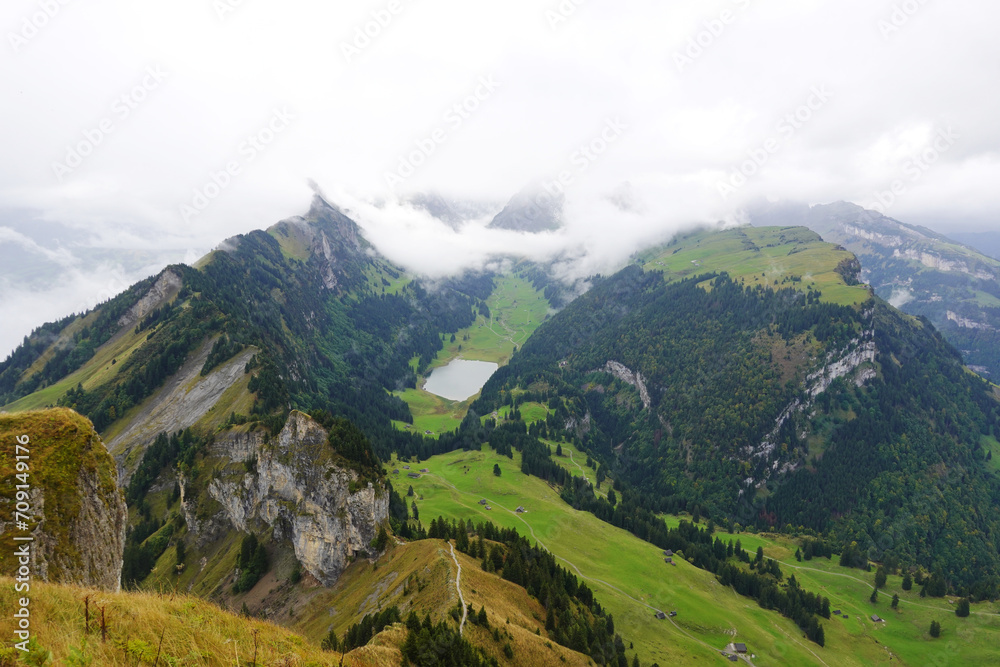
[119,114]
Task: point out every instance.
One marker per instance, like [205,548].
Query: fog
[138,134]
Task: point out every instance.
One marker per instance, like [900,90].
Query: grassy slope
[759,256]
[97,370]
[516,310]
[194,632]
[420,576]
[631,580]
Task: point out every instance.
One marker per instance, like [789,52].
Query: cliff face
[79,514]
[296,488]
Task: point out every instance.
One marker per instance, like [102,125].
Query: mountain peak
[533,209]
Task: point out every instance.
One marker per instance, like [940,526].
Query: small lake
[460,379]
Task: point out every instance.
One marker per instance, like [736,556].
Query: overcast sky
[139,133]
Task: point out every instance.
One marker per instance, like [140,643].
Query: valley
[634,583]
[515,309]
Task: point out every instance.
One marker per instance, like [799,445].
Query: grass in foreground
[181,629]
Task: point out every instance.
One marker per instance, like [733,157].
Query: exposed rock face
[184,399]
[168,285]
[298,490]
[857,358]
[78,512]
[625,374]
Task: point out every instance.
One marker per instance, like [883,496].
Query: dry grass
[195,632]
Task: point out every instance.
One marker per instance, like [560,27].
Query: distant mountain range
[987,243]
[918,270]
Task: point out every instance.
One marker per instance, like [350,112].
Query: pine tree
[880,577]
[874,598]
[895,601]
[962,609]
[907,582]
[935,629]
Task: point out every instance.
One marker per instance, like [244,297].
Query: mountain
[747,376]
[452,212]
[265,413]
[987,243]
[918,270]
[533,209]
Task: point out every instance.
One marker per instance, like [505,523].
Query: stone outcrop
[164,289]
[78,512]
[625,374]
[297,487]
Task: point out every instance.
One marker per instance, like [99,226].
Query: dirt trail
[458,585]
[572,565]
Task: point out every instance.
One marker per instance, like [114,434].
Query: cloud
[703,87]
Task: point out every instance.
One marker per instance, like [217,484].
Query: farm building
[660,615]
[413,475]
[668,553]
[483,501]
[520,509]
[876,619]
[740,647]
[668,560]
[424,470]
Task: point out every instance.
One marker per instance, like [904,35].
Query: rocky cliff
[296,486]
[78,514]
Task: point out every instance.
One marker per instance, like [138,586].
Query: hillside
[920,271]
[788,398]
[303,315]
[184,629]
[630,577]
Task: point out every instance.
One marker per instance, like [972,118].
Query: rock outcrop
[78,514]
[299,489]
[164,289]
